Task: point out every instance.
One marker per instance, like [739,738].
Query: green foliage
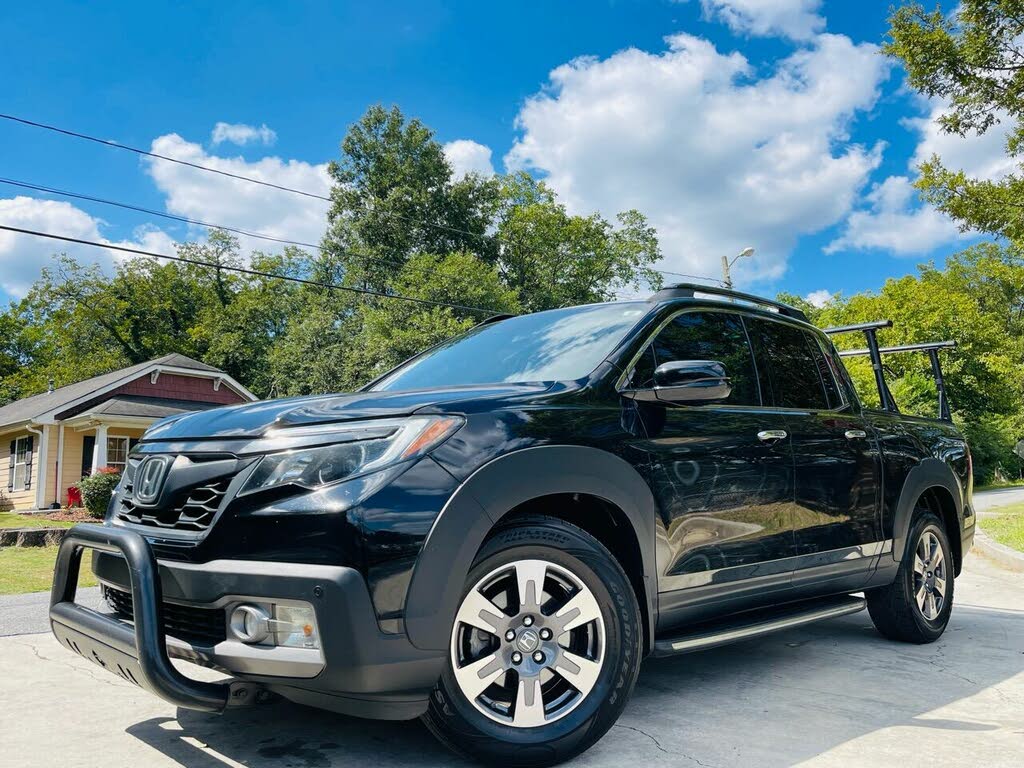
[555,260]
[971,60]
[97,491]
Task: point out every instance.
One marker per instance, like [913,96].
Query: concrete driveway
[832,694]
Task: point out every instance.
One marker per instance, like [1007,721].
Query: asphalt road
[831,694]
[26,614]
[986,501]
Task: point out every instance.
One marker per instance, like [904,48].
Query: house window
[21,467]
[117,452]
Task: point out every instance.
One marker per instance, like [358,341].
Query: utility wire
[247,271]
[196,222]
[261,182]
[210,169]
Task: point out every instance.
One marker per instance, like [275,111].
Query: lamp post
[727,264]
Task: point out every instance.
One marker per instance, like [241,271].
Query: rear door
[721,473]
[836,456]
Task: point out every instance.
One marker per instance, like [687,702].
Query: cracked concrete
[831,694]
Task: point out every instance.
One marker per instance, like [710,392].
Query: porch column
[99,451]
[43,458]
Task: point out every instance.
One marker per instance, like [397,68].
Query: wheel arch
[933,482]
[519,483]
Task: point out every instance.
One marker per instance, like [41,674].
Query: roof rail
[688,290]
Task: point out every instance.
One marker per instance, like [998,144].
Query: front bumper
[358,670]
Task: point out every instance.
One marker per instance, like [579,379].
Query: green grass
[15,520]
[30,569]
[1007,527]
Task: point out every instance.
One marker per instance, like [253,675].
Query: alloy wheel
[528,643]
[929,576]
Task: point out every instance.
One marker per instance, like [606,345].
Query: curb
[31,537]
[1001,554]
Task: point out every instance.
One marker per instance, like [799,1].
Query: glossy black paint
[734,514]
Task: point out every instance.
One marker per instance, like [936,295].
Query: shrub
[98,489]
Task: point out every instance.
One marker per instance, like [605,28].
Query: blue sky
[728,122]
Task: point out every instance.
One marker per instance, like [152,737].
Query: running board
[750,624]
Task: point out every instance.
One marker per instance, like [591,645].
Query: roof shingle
[31,407]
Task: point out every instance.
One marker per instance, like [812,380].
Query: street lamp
[727,263]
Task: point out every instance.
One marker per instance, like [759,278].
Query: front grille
[199,626]
[192,510]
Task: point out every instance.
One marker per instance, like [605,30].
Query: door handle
[855,434]
[771,434]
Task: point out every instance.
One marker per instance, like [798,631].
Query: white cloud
[819,298]
[467,156]
[796,19]
[23,256]
[717,160]
[981,157]
[895,220]
[231,202]
[188,192]
[242,134]
[895,223]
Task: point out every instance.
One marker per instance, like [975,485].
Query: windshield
[557,345]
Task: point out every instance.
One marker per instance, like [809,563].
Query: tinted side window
[837,381]
[717,336]
[794,365]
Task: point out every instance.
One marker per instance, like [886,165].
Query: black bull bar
[137,653]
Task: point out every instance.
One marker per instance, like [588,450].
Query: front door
[836,457]
[722,474]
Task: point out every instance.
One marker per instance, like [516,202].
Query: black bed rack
[688,290]
[875,352]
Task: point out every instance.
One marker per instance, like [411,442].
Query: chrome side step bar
[751,624]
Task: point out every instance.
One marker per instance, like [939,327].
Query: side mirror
[687,381]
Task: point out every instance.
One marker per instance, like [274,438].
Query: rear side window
[797,373]
[717,336]
[845,393]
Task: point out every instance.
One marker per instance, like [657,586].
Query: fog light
[250,623]
[295,626]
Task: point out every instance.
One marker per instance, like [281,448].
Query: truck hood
[253,419]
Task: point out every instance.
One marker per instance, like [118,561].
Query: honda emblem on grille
[149,479]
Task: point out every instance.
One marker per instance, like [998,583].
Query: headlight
[357,448]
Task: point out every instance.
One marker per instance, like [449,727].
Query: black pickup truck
[493,535]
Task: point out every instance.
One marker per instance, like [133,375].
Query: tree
[394,195]
[973,62]
[555,260]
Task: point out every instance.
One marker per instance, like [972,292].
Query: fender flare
[928,474]
[495,489]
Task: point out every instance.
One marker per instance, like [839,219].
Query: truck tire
[916,607]
[545,648]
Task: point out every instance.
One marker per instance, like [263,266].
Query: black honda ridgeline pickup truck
[493,535]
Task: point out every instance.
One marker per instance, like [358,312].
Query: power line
[261,182]
[196,222]
[210,169]
[247,271]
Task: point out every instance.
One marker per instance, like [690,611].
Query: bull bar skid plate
[136,653]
